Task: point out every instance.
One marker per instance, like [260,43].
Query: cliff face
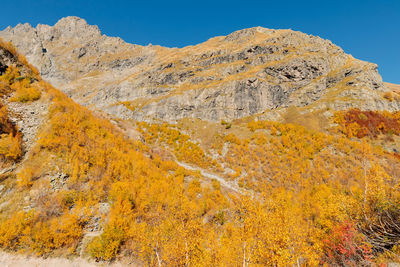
[251,71]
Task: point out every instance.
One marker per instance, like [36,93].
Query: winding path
[206,174]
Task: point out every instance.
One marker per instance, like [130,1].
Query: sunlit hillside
[249,192]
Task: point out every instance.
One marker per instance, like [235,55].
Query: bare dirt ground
[17,260]
[206,174]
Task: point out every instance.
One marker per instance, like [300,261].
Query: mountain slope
[394,87]
[248,72]
[59,188]
[249,192]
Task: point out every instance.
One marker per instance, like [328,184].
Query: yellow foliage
[10,146]
[25,177]
[300,185]
[27,230]
[67,231]
[270,233]
[24,92]
[13,230]
[184,149]
[107,246]
[45,237]
[10,76]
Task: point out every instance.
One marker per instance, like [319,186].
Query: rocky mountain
[255,71]
[229,188]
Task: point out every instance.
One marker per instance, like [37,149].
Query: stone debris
[28,117]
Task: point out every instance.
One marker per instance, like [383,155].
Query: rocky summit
[256,71]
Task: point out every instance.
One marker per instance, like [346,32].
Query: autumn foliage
[368,123]
[304,198]
[24,91]
[181,145]
[10,146]
[21,89]
[10,137]
[345,246]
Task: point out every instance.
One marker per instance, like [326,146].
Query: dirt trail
[206,174]
[15,260]
[18,260]
[133,134]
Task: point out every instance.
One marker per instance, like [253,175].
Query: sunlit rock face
[249,72]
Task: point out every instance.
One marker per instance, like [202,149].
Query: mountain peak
[248,32]
[71,19]
[22,27]
[74,27]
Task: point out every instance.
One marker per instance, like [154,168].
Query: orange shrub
[5,124]
[10,76]
[10,146]
[24,92]
[346,247]
[355,122]
[184,149]
[12,230]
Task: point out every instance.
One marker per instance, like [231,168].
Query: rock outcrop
[251,71]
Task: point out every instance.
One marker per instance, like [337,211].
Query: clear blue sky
[369,30]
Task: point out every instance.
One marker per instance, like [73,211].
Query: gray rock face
[8,59]
[28,117]
[245,73]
